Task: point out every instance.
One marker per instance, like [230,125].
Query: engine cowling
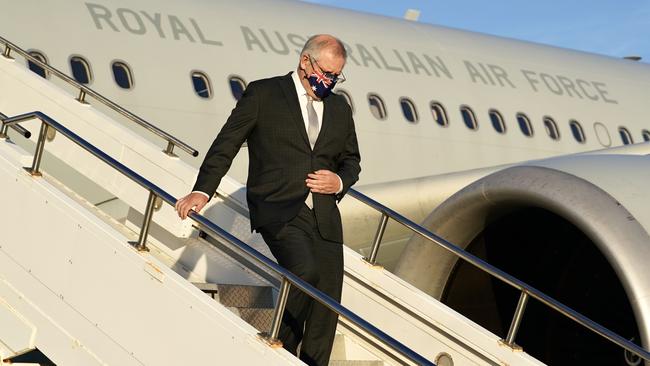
[575,227]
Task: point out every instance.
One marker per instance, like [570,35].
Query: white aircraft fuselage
[164,42]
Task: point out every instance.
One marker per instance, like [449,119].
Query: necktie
[312,133]
[312,129]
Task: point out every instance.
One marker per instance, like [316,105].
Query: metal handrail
[86,91]
[526,290]
[288,279]
[18,128]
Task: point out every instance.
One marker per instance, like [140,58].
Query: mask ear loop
[318,74]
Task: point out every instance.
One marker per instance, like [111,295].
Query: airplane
[530,156]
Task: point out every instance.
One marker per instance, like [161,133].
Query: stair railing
[18,128]
[288,278]
[526,290]
[86,91]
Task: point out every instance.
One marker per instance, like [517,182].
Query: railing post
[7,52]
[141,244]
[4,128]
[272,337]
[38,154]
[516,320]
[170,149]
[82,97]
[372,258]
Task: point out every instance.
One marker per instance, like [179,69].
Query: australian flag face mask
[320,84]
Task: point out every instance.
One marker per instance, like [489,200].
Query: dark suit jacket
[268,116]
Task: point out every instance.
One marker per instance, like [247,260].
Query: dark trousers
[299,247]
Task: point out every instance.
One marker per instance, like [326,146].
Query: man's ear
[303,62]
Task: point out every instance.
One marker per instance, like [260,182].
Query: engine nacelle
[574,227]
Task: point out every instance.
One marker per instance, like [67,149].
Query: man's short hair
[315,44]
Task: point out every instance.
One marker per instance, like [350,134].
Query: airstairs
[97,269]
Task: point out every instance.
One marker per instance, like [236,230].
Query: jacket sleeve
[348,167]
[238,127]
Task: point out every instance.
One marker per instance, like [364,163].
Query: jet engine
[573,227]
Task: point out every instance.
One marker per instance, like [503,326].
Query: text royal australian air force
[187,29]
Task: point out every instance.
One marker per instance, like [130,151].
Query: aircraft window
[408,109]
[201,84]
[626,137]
[237,86]
[36,68]
[551,128]
[347,97]
[439,114]
[497,121]
[646,135]
[377,106]
[602,134]
[468,117]
[577,131]
[524,124]
[122,75]
[80,69]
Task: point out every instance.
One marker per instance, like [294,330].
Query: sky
[615,28]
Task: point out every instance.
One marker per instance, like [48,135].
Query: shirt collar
[300,89]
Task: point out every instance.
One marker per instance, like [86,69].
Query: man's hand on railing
[194,200]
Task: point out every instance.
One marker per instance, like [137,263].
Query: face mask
[320,85]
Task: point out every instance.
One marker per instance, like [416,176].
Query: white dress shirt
[302,101]
[303,98]
[318,106]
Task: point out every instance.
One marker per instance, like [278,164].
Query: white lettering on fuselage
[134,22]
[169,26]
[562,85]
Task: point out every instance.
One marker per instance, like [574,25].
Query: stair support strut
[272,337]
[372,258]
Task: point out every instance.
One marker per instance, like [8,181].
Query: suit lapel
[289,91]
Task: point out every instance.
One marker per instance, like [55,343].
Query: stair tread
[241,296]
[261,319]
[254,305]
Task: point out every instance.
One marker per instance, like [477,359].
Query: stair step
[209,288]
[347,352]
[254,304]
[338,348]
[239,296]
[260,318]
